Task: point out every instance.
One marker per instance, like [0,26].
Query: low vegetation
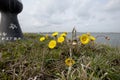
[37,59]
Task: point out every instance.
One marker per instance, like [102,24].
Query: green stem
[69,70]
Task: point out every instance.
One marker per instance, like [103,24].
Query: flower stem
[69,70]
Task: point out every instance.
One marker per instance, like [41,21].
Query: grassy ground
[31,59]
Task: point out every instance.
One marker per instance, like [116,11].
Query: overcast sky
[63,15]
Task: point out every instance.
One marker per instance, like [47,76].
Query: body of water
[114,38]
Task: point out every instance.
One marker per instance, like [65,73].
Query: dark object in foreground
[9,26]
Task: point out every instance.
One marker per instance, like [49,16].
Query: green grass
[30,58]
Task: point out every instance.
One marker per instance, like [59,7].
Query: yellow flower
[46,36]
[84,38]
[63,35]
[55,34]
[92,38]
[69,62]
[42,39]
[52,44]
[60,39]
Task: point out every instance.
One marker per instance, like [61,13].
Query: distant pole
[9,26]
[74,33]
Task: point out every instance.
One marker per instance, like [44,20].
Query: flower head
[55,34]
[84,38]
[60,39]
[46,36]
[69,62]
[63,35]
[92,38]
[42,39]
[52,44]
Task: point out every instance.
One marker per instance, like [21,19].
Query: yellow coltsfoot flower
[46,36]
[92,38]
[66,33]
[60,39]
[63,35]
[84,38]
[42,39]
[52,44]
[55,34]
[69,62]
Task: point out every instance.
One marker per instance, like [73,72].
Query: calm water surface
[114,38]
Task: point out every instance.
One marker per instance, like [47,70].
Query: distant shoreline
[70,32]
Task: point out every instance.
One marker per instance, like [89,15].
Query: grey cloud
[113,6]
[86,15]
[101,19]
